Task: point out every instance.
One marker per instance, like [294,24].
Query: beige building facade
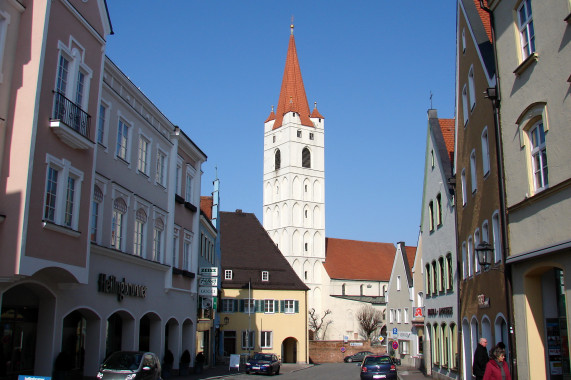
[533,57]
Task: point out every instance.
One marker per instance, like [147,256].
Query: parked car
[123,365]
[378,367]
[358,357]
[263,363]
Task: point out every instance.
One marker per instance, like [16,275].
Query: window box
[533,57]
[190,206]
[183,272]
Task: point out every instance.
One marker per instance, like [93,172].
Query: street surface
[328,371]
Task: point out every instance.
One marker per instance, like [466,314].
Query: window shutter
[241,306]
[234,305]
[296,305]
[282,306]
[276,306]
[259,306]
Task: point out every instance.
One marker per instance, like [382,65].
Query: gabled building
[402,337]
[353,283]
[263,302]
[483,293]
[438,235]
[533,56]
[51,63]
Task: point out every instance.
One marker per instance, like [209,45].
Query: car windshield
[263,357]
[123,361]
[377,360]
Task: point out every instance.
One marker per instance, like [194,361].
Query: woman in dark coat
[497,368]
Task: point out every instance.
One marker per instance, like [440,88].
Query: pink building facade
[91,260]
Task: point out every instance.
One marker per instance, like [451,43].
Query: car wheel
[278,371]
[349,360]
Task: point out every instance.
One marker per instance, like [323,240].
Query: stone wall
[331,351]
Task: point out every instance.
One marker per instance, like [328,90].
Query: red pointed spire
[292,94]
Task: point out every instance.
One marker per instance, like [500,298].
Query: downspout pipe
[502,192]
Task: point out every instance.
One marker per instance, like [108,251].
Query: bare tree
[318,323]
[370,320]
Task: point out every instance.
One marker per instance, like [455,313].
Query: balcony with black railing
[71,123]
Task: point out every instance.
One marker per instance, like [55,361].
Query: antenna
[430,99]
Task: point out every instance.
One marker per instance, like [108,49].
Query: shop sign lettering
[443,311]
[110,284]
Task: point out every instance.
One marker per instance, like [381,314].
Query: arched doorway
[120,332]
[289,350]
[80,331]
[27,321]
[150,333]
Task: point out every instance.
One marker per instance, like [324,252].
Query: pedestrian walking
[497,368]
[481,359]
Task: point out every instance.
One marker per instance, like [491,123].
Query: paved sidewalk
[221,372]
[410,373]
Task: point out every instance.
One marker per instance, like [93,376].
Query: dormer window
[265,275]
[228,274]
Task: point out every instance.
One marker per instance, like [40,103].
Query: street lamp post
[485,252]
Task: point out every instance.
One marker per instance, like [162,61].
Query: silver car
[130,365]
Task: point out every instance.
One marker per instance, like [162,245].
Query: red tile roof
[272,116]
[359,260]
[485,17]
[410,255]
[292,94]
[447,128]
[206,206]
[315,113]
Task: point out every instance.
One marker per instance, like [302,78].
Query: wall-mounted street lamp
[485,252]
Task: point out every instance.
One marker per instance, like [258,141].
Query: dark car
[378,367]
[130,365]
[263,363]
[358,357]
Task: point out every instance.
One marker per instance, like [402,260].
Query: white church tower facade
[294,180]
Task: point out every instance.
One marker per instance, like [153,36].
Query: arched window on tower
[305,158]
[278,159]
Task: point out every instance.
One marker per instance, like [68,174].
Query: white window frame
[103,122]
[74,53]
[162,170]
[252,340]
[228,275]
[175,248]
[158,237]
[228,305]
[485,152]
[119,224]
[471,256]
[4,22]
[473,171]
[266,339]
[404,347]
[464,190]
[405,315]
[476,242]
[265,275]
[463,41]
[269,306]
[398,315]
[398,283]
[187,251]
[178,176]
[123,146]
[538,155]
[465,261]
[60,205]
[140,231]
[391,315]
[527,41]
[465,109]
[497,236]
[249,305]
[95,221]
[289,307]
[471,88]
[188,183]
[144,154]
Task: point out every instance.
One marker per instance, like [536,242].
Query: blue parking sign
[395,331]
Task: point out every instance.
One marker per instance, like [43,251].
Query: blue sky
[215,68]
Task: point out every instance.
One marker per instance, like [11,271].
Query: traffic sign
[395,331]
[395,345]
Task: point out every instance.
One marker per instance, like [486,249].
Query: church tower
[294,179]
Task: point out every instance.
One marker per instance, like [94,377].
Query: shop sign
[208,281]
[443,311]
[404,335]
[483,301]
[208,271]
[207,291]
[356,344]
[110,284]
[418,312]
[26,377]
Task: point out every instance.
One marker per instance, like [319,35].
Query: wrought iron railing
[71,114]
